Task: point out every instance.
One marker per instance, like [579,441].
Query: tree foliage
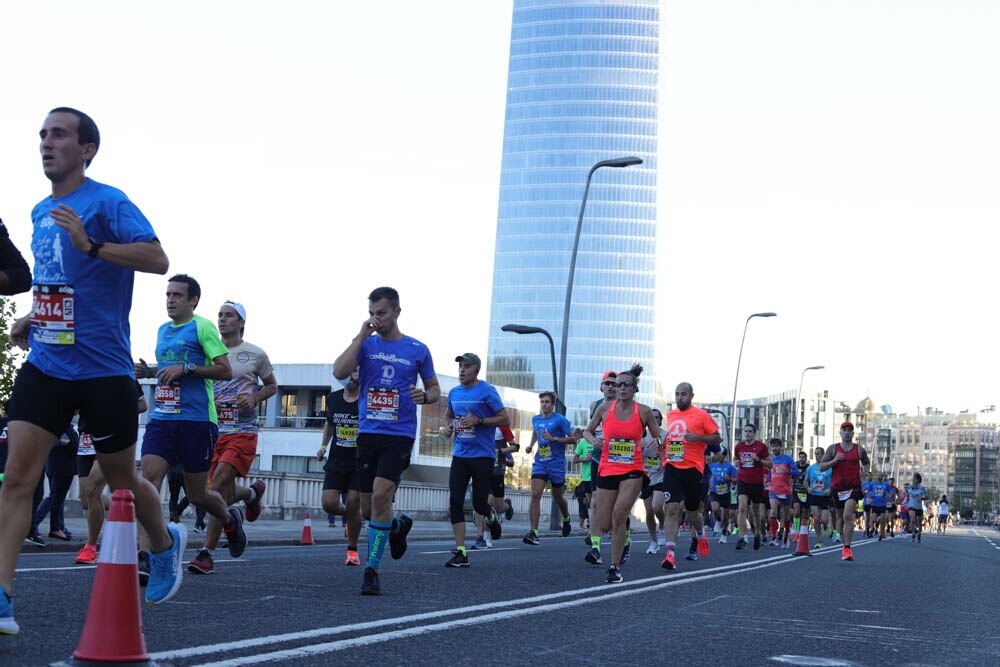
[10,356]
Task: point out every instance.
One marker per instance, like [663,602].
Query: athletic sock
[596,542]
[701,533]
[671,545]
[567,519]
[378,536]
[462,551]
[534,531]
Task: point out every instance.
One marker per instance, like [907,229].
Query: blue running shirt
[191,397]
[482,400]
[388,368]
[79,322]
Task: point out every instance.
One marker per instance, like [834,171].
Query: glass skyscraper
[581,88]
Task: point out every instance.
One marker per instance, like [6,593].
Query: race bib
[721,487]
[621,450]
[844,496]
[675,450]
[818,485]
[382,403]
[167,399]
[801,496]
[347,436]
[86,447]
[463,431]
[652,465]
[227,414]
[545,453]
[780,496]
[52,315]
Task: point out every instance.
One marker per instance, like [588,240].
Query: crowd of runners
[88,241]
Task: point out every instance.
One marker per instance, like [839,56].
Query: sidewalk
[271,532]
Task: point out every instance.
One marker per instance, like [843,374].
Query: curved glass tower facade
[581,88]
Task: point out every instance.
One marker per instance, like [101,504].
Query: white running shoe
[661,540]
[652,548]
[722,539]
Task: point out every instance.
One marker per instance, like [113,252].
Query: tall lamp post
[617,163]
[736,383]
[523,329]
[798,397]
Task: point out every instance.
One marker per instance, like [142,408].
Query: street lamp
[523,329]
[798,397]
[725,419]
[617,163]
[739,360]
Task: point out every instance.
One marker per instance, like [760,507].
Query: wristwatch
[190,368]
[94,248]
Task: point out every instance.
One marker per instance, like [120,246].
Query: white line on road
[579,596]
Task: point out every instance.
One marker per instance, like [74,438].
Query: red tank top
[622,453]
[847,473]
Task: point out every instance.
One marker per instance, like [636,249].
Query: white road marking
[473,616]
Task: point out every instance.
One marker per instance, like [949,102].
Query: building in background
[581,88]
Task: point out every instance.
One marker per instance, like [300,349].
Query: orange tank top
[622,451]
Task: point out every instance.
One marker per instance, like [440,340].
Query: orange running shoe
[847,554]
[352,557]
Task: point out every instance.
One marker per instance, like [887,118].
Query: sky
[833,162]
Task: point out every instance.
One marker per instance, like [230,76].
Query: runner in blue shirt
[474,413]
[879,491]
[88,240]
[551,431]
[390,365]
[818,487]
[723,476]
[183,424]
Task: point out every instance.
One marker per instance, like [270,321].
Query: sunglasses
[624,383]
[609,383]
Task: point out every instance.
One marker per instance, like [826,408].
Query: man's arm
[829,458]
[144,256]
[429,394]
[863,455]
[251,401]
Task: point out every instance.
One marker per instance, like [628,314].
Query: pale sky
[834,162]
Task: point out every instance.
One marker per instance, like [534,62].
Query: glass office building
[581,88]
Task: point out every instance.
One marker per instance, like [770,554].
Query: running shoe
[615,575]
[370,585]
[918,536]
[692,555]
[236,536]
[87,555]
[661,540]
[741,545]
[198,529]
[489,542]
[167,567]
[669,562]
[567,528]
[652,548]
[253,509]
[458,560]
[36,540]
[846,554]
[756,542]
[202,563]
[352,557]
[8,626]
[508,513]
[143,558]
[496,530]
[397,540]
[703,546]
[593,556]
[881,536]
[722,539]
[480,543]
[530,538]
[716,529]
[626,553]
[819,545]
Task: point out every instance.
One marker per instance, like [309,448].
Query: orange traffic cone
[307,531]
[112,632]
[803,547]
